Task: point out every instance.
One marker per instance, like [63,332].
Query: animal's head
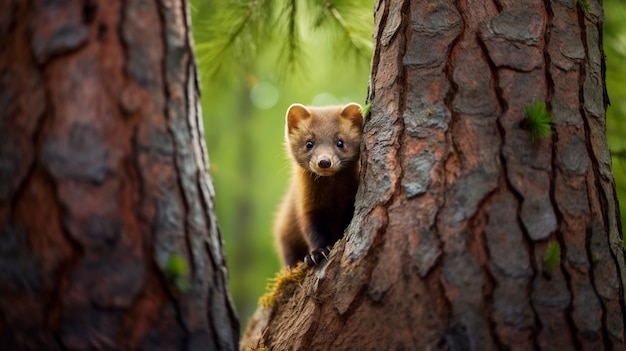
[324,139]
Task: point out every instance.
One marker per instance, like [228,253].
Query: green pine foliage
[552,257]
[349,25]
[236,32]
[539,121]
[178,271]
[231,33]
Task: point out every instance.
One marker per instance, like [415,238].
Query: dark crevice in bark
[193,110]
[605,330]
[135,174]
[209,297]
[371,96]
[376,55]
[119,29]
[400,84]
[149,250]
[222,284]
[378,241]
[490,282]
[199,127]
[528,242]
[437,267]
[488,292]
[189,71]
[198,131]
[438,264]
[434,279]
[403,35]
[562,244]
[530,246]
[12,7]
[204,167]
[135,170]
[137,183]
[448,100]
[54,307]
[171,130]
[188,63]
[553,176]
[206,202]
[605,92]
[498,5]
[615,200]
[597,183]
[207,210]
[309,336]
[171,126]
[361,296]
[447,70]
[550,84]
[37,138]
[189,44]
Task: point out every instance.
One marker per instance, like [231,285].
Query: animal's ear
[295,114]
[352,111]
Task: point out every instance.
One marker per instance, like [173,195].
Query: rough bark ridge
[103,181]
[457,208]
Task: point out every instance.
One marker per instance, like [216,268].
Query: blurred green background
[249,79]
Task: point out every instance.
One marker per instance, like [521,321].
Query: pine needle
[552,257]
[292,48]
[539,120]
[178,271]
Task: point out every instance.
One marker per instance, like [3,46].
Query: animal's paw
[317,256]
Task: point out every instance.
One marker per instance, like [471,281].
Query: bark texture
[103,182]
[457,207]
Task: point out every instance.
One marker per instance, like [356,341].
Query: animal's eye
[340,144]
[309,144]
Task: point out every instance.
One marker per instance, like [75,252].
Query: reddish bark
[103,181]
[457,206]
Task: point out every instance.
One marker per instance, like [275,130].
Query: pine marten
[324,146]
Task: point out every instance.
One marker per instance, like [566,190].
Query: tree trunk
[460,216]
[108,238]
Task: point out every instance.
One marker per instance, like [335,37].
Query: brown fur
[320,201]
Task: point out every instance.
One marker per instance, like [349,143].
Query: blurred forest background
[254,62]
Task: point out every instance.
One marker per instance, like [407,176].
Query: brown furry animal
[324,145]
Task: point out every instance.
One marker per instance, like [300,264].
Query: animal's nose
[324,163]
